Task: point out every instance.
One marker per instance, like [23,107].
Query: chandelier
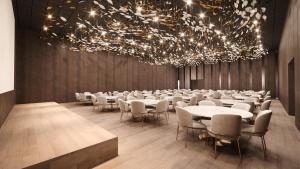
[177,32]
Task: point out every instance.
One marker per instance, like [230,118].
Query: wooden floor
[47,135]
[154,146]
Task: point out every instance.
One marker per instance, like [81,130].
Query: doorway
[291,89]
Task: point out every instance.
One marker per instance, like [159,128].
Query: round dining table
[147,102]
[170,98]
[209,111]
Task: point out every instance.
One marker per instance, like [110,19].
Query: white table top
[147,102]
[111,97]
[170,98]
[209,111]
[230,101]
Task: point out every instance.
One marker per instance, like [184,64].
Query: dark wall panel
[256,74]
[207,76]
[234,76]
[7,101]
[187,77]
[289,49]
[224,75]
[244,75]
[53,73]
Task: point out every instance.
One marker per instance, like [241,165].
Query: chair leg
[215,144]
[177,131]
[187,134]
[238,144]
[264,145]
[166,117]
[121,115]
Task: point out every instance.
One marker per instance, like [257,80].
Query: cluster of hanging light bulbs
[163,32]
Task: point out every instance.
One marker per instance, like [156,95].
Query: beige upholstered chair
[186,122]
[181,104]
[259,128]
[225,127]
[138,110]
[161,108]
[151,97]
[193,101]
[206,103]
[175,100]
[95,102]
[124,108]
[130,97]
[139,96]
[199,97]
[265,105]
[267,98]
[241,106]
[102,101]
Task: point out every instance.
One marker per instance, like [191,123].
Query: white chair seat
[247,128]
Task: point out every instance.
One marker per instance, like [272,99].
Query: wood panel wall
[289,49]
[53,73]
[7,101]
[239,75]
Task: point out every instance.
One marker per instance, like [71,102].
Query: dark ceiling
[30,14]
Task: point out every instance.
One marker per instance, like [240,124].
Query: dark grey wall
[7,101]
[240,75]
[289,49]
[53,73]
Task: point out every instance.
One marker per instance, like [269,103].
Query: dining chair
[124,108]
[161,108]
[225,127]
[175,100]
[102,102]
[138,110]
[265,105]
[193,101]
[151,97]
[130,97]
[185,121]
[206,103]
[140,96]
[267,98]
[95,102]
[260,127]
[199,97]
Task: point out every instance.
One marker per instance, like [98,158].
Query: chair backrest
[123,105]
[266,105]
[267,98]
[262,121]
[176,99]
[120,97]
[94,99]
[216,95]
[226,125]
[199,97]
[77,96]
[162,106]
[102,100]
[241,106]
[139,96]
[129,97]
[184,118]
[193,101]
[181,104]
[137,107]
[207,103]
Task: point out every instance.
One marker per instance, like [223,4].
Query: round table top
[111,97]
[147,102]
[170,98]
[209,111]
[230,101]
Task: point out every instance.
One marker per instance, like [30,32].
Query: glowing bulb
[223,37]
[164,52]
[198,44]
[45,28]
[228,43]
[205,47]
[182,34]
[149,36]
[202,15]
[118,23]
[255,22]
[118,38]
[191,40]
[256,30]
[161,41]
[217,32]
[92,13]
[72,35]
[139,9]
[103,33]
[49,16]
[80,26]
[189,2]
[211,25]
[155,19]
[258,36]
